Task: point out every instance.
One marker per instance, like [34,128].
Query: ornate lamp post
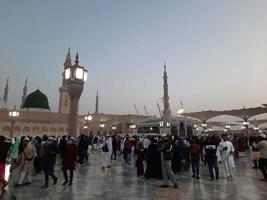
[256,129]
[75,76]
[204,126]
[132,127]
[102,126]
[13,115]
[246,125]
[227,128]
[88,118]
[114,129]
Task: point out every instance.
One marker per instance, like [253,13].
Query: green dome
[36,100]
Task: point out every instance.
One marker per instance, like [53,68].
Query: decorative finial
[164,66]
[77,59]
[37,87]
[68,57]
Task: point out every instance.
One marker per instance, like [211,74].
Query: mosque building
[36,118]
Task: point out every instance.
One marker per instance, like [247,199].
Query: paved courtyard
[120,183]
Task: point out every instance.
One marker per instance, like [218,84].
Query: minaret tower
[96,103]
[166,112]
[25,89]
[6,92]
[63,90]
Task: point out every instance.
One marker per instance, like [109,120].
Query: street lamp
[195,129]
[246,125]
[256,129]
[87,119]
[102,126]
[75,76]
[13,115]
[132,127]
[227,128]
[204,126]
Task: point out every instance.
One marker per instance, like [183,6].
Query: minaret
[25,89]
[96,103]
[6,92]
[64,96]
[166,111]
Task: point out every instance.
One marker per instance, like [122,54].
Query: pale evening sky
[216,51]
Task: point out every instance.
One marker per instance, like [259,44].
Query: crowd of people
[155,156]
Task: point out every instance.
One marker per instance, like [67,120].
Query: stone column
[12,128]
[75,90]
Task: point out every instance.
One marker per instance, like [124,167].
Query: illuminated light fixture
[67,73]
[133,126]
[88,118]
[246,123]
[180,112]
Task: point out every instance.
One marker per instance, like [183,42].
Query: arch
[52,131]
[181,129]
[44,131]
[17,131]
[35,130]
[6,129]
[17,128]
[228,115]
[60,129]
[258,116]
[26,129]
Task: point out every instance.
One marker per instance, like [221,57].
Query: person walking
[82,149]
[194,150]
[49,160]
[226,149]
[105,152]
[69,158]
[166,157]
[114,147]
[110,150]
[210,154]
[4,149]
[26,161]
[127,150]
[140,152]
[255,154]
[262,146]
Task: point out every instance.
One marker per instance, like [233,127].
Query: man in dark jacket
[166,157]
[210,153]
[4,148]
[49,160]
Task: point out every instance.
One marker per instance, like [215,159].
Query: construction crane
[136,110]
[145,110]
[160,113]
